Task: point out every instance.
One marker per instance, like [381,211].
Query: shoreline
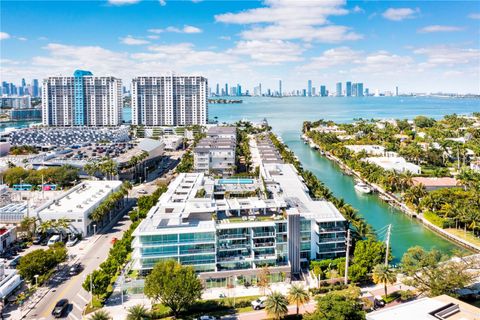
[392,200]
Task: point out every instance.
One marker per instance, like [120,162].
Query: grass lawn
[461,234]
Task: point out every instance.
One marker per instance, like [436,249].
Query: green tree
[100,281]
[367,254]
[434,274]
[298,295]
[176,286]
[138,312]
[335,306]
[382,274]
[100,315]
[263,281]
[276,305]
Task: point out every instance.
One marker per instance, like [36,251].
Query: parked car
[53,239]
[72,241]
[259,303]
[14,263]
[37,239]
[75,269]
[142,191]
[60,308]
[206,318]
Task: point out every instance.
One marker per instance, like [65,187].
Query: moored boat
[363,188]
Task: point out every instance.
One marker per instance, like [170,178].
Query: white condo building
[170,100]
[82,100]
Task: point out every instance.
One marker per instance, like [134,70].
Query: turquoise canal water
[286,116]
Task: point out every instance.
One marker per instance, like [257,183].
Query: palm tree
[298,295]
[29,224]
[276,305]
[382,274]
[101,315]
[137,312]
[45,226]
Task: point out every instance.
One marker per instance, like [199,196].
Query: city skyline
[384,44]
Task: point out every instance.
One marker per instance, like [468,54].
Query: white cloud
[357,9]
[191,29]
[288,20]
[22,38]
[122,2]
[153,37]
[162,2]
[333,57]
[4,36]
[441,56]
[399,14]
[225,38]
[327,34]
[475,16]
[131,41]
[439,28]
[185,29]
[269,52]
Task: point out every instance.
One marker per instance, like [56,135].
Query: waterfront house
[434,183]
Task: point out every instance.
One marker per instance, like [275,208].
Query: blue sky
[425,46]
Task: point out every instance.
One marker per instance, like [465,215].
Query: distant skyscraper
[359,89]
[269,92]
[367,93]
[304,92]
[239,90]
[339,89]
[217,91]
[323,91]
[280,92]
[309,88]
[233,91]
[260,88]
[35,92]
[348,88]
[82,100]
[314,93]
[169,100]
[226,89]
[354,90]
[396,91]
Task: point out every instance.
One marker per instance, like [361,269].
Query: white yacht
[362,188]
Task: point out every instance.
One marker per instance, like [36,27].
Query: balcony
[264,244]
[226,247]
[264,234]
[233,258]
[232,236]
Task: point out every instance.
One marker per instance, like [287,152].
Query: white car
[72,241]
[142,191]
[207,318]
[259,303]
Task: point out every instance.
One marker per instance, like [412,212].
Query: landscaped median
[100,282]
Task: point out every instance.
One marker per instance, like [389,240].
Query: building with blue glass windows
[232,228]
[82,100]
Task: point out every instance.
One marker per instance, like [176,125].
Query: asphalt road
[71,288]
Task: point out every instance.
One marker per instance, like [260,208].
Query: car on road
[75,269]
[60,308]
[259,303]
[142,191]
[114,239]
[72,241]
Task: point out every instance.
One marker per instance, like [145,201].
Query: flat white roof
[420,310]
[81,198]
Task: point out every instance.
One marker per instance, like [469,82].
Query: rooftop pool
[236,181]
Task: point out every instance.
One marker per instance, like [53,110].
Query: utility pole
[347,256]
[388,244]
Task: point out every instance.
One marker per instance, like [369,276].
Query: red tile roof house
[436,183]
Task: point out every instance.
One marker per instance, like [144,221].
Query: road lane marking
[76,305]
[83,298]
[73,316]
[61,294]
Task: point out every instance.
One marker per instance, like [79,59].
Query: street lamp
[36,279]
[94,229]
